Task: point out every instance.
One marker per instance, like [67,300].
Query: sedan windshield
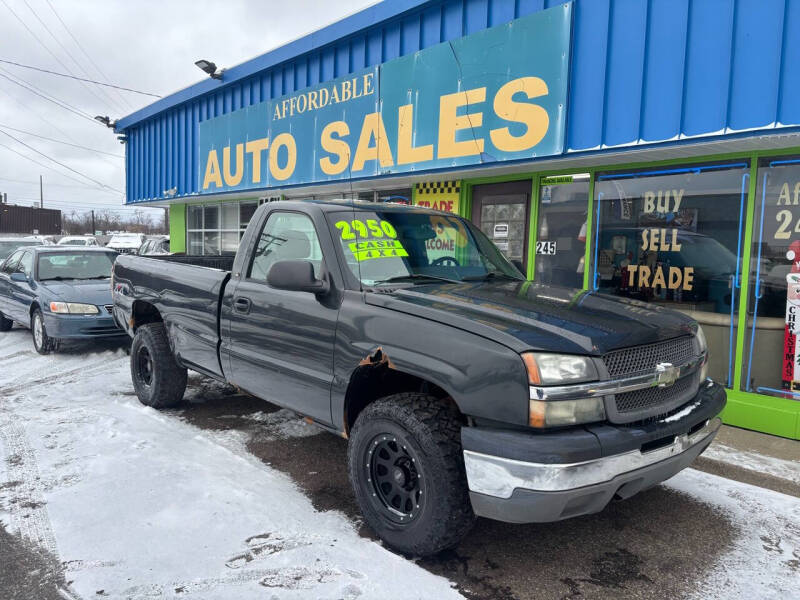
[73,242]
[6,248]
[75,265]
[386,247]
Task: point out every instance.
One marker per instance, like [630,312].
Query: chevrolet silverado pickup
[463,389]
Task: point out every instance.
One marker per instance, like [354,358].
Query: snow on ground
[753,461]
[765,559]
[140,505]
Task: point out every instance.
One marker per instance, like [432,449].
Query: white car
[126,243]
[78,240]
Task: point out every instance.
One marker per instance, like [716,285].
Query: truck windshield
[384,247]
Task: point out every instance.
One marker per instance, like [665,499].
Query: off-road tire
[42,343]
[5,324]
[428,429]
[162,384]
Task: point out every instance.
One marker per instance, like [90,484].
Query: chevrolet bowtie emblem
[666,374]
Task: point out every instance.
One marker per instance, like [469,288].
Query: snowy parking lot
[229,497]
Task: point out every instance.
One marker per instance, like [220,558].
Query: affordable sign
[499,94]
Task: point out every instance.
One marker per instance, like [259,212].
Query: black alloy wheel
[407,471]
[143,363]
[396,477]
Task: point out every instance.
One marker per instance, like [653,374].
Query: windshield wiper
[57,278]
[489,276]
[95,277]
[415,276]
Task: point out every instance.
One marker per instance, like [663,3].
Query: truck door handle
[241,304]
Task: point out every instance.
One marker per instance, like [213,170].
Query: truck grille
[661,399]
[645,358]
[650,402]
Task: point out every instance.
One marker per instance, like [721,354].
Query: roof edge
[350,25]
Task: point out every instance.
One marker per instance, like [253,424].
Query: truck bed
[223,263]
[186,291]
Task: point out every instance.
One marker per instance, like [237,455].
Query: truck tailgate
[187,298]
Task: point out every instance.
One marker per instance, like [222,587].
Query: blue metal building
[571,133]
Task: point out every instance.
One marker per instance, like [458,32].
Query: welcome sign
[496,95]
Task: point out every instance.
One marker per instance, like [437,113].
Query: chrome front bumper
[500,477]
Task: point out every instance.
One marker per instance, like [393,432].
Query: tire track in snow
[27,506]
[60,377]
[29,510]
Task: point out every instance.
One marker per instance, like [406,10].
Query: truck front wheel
[407,470]
[158,379]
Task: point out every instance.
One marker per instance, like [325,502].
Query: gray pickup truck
[463,389]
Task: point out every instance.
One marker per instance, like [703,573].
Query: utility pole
[41,193]
[93,229]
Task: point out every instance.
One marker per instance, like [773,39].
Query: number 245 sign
[548,248]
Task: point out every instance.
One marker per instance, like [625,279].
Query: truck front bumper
[521,477]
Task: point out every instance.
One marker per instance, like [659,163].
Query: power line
[86,54]
[33,160]
[60,163]
[61,142]
[54,100]
[34,113]
[64,185]
[41,43]
[118,87]
[68,53]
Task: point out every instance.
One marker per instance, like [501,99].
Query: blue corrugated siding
[642,71]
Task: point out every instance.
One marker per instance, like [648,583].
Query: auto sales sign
[496,95]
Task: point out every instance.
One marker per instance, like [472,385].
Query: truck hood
[527,316]
[93,291]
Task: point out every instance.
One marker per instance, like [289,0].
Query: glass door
[500,210]
[771,354]
[561,230]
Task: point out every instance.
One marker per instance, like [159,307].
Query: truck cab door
[280,343]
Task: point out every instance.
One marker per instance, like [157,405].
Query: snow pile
[139,504]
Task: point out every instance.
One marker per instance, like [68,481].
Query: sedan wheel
[42,343]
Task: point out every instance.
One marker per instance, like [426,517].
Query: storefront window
[672,237]
[561,235]
[214,229]
[771,352]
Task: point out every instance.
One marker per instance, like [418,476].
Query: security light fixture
[209,67]
[105,120]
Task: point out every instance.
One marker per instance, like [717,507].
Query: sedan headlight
[73,308]
[558,369]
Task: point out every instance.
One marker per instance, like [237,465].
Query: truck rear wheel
[407,470]
[158,379]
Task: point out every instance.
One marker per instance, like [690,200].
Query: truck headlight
[73,308]
[701,339]
[558,369]
[551,413]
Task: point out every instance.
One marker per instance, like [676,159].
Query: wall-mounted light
[210,68]
[105,120]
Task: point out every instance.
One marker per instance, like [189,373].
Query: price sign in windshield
[376,239]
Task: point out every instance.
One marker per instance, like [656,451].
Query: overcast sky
[146,45]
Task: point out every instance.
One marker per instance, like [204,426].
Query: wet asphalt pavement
[657,544]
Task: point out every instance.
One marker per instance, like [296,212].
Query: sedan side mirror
[19,277]
[296,276]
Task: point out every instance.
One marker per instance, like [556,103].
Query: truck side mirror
[296,276]
[19,277]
